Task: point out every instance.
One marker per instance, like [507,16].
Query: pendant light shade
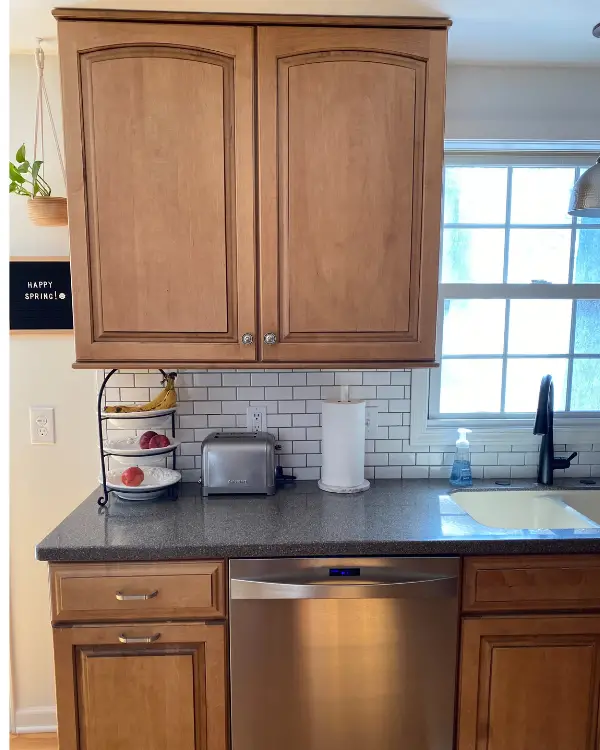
[585,198]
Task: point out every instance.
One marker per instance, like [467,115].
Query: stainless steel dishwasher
[343,653]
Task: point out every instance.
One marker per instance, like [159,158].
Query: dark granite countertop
[395,517]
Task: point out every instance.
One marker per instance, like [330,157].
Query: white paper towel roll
[343,446]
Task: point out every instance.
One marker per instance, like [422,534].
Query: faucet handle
[564,463]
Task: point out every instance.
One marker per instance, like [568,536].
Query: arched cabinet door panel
[159,135]
[350,170]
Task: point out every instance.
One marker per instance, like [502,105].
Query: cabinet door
[155,686]
[350,130]
[159,143]
[529,683]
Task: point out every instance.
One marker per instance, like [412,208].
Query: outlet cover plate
[41,424]
[256,419]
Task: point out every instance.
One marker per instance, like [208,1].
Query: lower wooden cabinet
[156,686]
[529,683]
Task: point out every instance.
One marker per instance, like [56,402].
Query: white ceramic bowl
[130,446]
[155,478]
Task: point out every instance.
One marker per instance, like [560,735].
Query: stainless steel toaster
[238,462]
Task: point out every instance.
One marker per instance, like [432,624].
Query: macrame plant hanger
[45,211]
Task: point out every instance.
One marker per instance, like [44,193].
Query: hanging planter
[27,178]
[47,212]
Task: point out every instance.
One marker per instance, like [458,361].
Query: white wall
[46,482]
[534,103]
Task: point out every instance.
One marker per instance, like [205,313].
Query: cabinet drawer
[533,583]
[137,591]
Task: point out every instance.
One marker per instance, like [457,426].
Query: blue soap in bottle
[461,475]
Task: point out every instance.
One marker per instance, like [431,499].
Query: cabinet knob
[247,339]
[270,338]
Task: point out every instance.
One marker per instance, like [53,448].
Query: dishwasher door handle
[425,588]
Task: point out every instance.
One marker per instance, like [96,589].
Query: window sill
[442,432]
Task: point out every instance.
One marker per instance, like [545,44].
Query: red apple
[132,477]
[159,441]
[146,438]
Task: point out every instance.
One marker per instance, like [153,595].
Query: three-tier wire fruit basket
[158,481]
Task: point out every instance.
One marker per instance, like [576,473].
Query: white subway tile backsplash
[387,446]
[207,378]
[398,433]
[122,380]
[320,378]
[256,393]
[312,472]
[279,420]
[193,420]
[376,459]
[402,459]
[292,433]
[307,391]
[429,459]
[511,459]
[306,446]
[363,391]
[388,472]
[415,472]
[277,393]
[218,400]
[496,472]
[523,472]
[376,378]
[192,394]
[221,420]
[236,378]
[351,377]
[439,472]
[293,460]
[153,380]
[390,391]
[292,378]
[264,378]
[484,459]
[399,405]
[292,407]
[221,394]
[235,407]
[305,420]
[135,395]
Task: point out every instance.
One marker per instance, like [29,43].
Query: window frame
[570,427]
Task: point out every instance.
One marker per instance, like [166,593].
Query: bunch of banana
[166,399]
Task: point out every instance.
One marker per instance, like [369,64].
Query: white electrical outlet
[371,422]
[256,419]
[41,424]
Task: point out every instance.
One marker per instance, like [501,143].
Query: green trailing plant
[25,178]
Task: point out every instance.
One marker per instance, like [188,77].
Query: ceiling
[535,32]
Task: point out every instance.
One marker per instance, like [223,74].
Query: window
[519,294]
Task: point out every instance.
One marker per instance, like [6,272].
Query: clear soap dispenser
[461,475]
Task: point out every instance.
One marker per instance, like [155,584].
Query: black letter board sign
[40,294]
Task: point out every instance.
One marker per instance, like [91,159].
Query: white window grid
[509,291]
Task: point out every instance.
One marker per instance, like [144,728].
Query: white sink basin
[525,509]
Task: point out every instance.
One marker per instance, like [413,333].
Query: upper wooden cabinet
[159,142]
[350,132]
[166,167]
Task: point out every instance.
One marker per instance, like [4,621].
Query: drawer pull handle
[135,597]
[145,639]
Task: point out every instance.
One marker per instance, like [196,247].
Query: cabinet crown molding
[264,19]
